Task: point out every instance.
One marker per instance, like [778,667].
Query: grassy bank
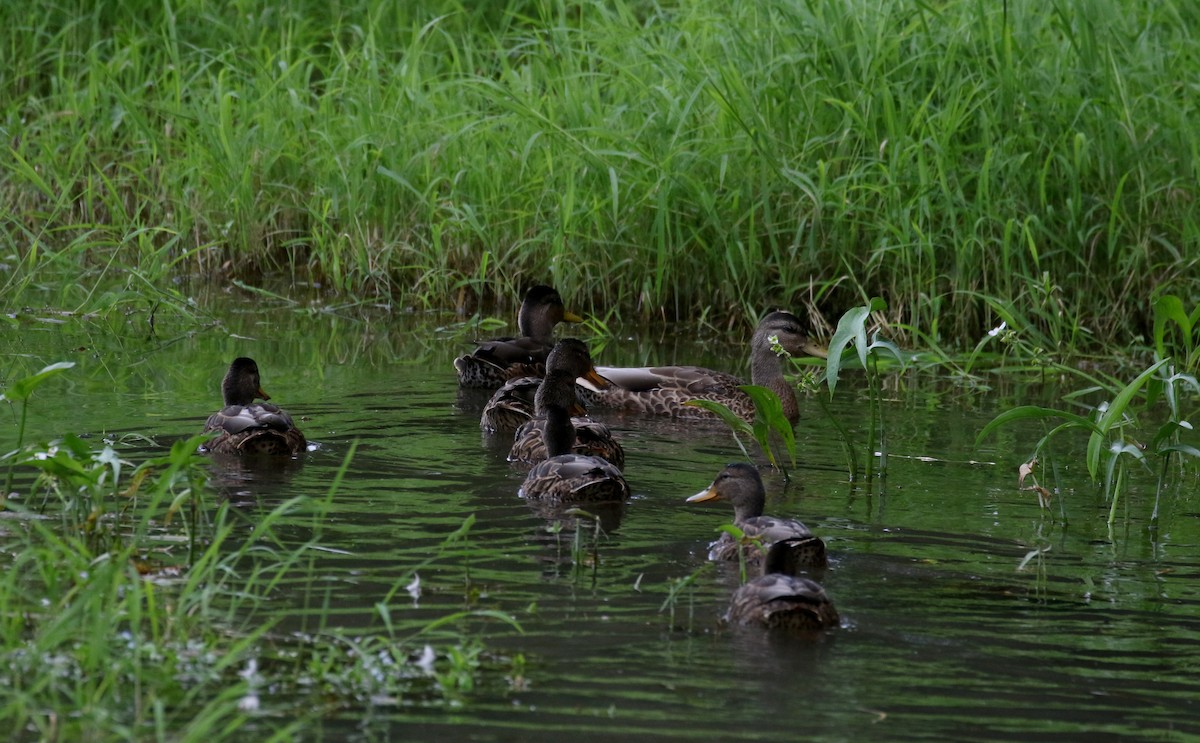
[691,159]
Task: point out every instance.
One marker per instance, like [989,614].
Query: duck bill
[594,377]
[577,410]
[263,395]
[812,348]
[569,316]
[709,493]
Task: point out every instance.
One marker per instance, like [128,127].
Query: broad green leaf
[725,414]
[852,325]
[852,328]
[1191,451]
[770,411]
[1114,414]
[888,346]
[1169,307]
[1031,412]
[20,390]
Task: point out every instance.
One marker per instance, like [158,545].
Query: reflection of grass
[132,608]
[657,159]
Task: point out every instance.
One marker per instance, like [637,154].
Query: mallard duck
[510,406]
[245,427]
[740,484]
[565,476]
[496,361]
[776,600]
[591,438]
[663,390]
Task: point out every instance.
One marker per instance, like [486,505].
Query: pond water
[942,636]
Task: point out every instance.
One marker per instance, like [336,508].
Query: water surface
[942,636]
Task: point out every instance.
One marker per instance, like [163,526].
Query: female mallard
[566,476]
[797,548]
[591,438]
[663,390]
[246,428]
[777,600]
[496,361]
[510,406]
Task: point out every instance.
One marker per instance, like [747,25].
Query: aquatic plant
[1112,441]
[770,426]
[852,332]
[133,606]
[679,588]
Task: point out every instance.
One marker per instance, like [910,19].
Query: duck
[797,548]
[246,427]
[777,600]
[510,406]
[664,390]
[591,437]
[565,476]
[498,360]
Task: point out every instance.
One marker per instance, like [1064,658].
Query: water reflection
[942,636]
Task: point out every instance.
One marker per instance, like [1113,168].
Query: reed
[714,157]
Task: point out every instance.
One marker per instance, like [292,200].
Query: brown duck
[780,601]
[664,390]
[495,361]
[570,359]
[567,477]
[740,484]
[244,427]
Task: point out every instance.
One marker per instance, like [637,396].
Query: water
[942,636]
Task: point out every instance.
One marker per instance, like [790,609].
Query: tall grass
[680,159]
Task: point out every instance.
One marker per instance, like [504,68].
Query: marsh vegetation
[986,210]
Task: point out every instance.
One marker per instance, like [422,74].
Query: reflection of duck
[797,548]
[566,476]
[776,600]
[501,359]
[663,390]
[245,427]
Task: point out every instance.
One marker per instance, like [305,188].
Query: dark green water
[943,637]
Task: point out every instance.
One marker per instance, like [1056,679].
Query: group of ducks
[542,390]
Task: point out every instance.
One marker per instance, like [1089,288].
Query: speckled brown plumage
[510,406]
[592,438]
[778,601]
[496,361]
[664,390]
[565,476]
[798,548]
[244,427]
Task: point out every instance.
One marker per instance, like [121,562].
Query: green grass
[958,159]
[136,605]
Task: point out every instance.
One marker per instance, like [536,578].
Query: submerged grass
[958,159]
